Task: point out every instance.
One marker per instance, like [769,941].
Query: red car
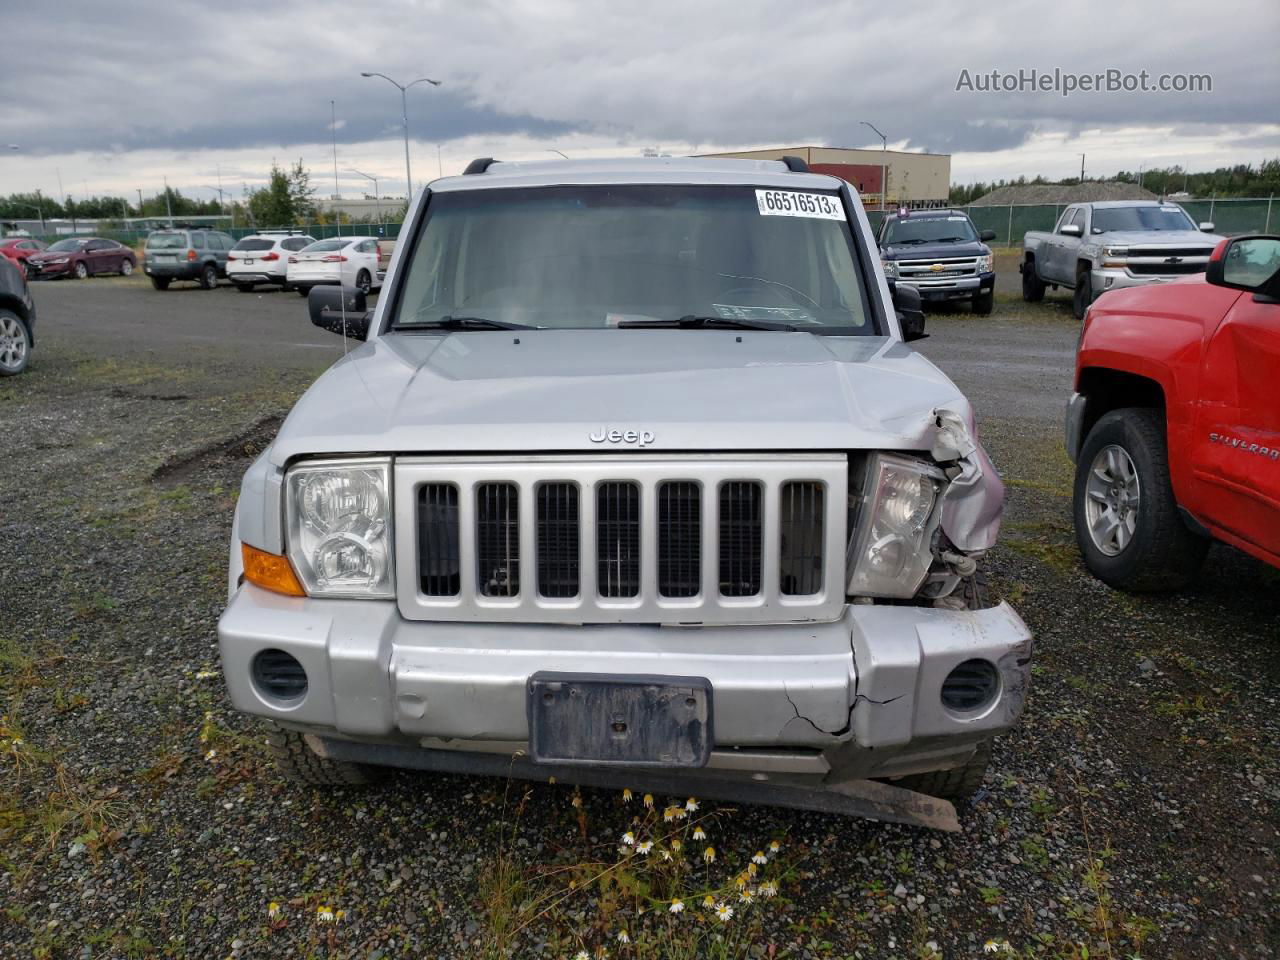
[81,257]
[19,248]
[1175,422]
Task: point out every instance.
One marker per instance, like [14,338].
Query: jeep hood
[549,391]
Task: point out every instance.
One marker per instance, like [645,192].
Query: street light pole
[39,210]
[884,166]
[377,202]
[404,116]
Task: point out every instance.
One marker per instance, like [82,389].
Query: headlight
[889,551]
[890,268]
[1114,256]
[339,523]
[58,260]
[984,264]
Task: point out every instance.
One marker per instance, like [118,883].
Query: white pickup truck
[1095,247]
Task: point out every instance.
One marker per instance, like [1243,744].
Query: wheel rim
[126,268]
[364,283]
[1112,497]
[210,277]
[81,271]
[13,344]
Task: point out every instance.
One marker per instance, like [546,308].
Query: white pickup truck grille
[607,539]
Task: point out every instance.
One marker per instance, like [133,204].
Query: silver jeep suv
[635,482]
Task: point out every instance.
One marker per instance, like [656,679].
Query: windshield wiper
[951,240]
[909,240]
[462,323]
[695,322]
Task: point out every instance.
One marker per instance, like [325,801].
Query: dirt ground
[1132,813]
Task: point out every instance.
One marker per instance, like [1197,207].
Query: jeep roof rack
[796,164]
[479,165]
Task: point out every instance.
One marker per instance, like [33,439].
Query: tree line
[1240,180]
[287,200]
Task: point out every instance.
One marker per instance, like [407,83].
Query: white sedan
[350,261]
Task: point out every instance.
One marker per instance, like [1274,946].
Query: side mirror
[1070,230]
[340,310]
[1251,264]
[986,236]
[1206,226]
[907,304]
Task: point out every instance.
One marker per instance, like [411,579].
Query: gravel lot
[1133,813]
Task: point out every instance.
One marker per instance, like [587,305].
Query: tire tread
[296,762]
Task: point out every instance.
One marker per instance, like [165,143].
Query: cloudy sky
[200,92]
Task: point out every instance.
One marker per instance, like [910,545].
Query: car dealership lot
[1136,803]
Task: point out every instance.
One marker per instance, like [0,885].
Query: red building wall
[864,177]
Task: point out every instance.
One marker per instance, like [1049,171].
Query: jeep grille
[622,539]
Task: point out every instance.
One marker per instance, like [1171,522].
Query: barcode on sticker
[789,203]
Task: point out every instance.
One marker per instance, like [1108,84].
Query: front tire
[298,763]
[126,268]
[957,784]
[80,270]
[1032,286]
[983,302]
[1126,518]
[15,344]
[1082,296]
[161,283]
[209,276]
[364,283]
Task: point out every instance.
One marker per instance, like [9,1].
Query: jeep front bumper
[853,698]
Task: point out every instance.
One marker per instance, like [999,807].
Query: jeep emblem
[641,437]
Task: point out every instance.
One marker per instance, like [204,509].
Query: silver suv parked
[186,254]
[635,482]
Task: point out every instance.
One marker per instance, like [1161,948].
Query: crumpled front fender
[974,499]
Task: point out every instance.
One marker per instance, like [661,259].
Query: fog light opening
[972,686]
[279,676]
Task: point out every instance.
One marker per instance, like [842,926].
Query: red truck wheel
[1126,518]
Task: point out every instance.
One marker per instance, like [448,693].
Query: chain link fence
[1230,217]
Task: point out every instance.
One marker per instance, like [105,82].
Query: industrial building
[914,179]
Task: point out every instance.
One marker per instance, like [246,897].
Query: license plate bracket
[619,719]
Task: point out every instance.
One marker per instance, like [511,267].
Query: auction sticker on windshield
[788,203]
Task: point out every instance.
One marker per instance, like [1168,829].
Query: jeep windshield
[919,230]
[596,256]
[1113,219]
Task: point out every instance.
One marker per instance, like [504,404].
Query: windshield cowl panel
[599,256]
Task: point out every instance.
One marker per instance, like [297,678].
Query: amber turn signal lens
[270,572]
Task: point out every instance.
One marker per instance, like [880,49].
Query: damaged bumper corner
[974,498]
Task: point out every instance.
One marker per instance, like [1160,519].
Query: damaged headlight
[339,525]
[889,549]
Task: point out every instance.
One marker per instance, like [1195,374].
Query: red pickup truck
[1175,421]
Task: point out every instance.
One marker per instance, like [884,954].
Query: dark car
[20,248]
[17,319]
[941,254]
[186,253]
[81,257]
